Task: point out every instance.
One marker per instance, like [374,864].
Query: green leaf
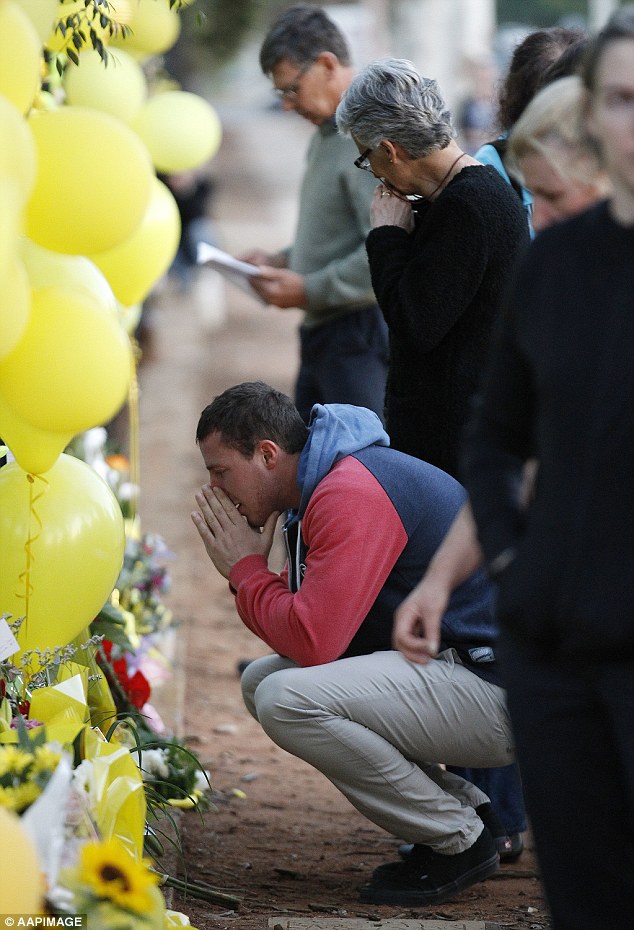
[111,625]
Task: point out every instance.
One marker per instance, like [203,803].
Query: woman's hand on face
[388,210]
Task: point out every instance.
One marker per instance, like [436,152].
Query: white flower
[127,491]
[82,776]
[154,764]
[94,443]
[203,780]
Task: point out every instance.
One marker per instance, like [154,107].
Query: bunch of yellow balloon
[64,366]
[86,230]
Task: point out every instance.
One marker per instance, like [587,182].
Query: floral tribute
[25,772]
[108,882]
[85,760]
[78,805]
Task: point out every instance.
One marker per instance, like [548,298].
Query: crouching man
[363,522]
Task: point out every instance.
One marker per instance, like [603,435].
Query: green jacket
[334,220]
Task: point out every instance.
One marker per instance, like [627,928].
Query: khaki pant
[379,726]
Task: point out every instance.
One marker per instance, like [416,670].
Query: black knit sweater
[561,388]
[439,288]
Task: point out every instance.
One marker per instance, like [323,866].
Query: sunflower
[113,874]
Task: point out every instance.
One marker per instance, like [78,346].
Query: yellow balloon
[20,50]
[35,450]
[21,881]
[42,13]
[10,222]
[181,130]
[76,272]
[71,369]
[93,183]
[62,549]
[118,87]
[154,28]
[15,305]
[134,266]
[17,148]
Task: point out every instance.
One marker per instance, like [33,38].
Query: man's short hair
[252,411]
[300,34]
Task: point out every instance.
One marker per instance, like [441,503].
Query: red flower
[137,687]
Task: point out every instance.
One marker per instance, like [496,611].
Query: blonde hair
[551,126]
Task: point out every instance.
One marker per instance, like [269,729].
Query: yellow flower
[46,759]
[13,760]
[6,797]
[25,795]
[20,797]
[112,873]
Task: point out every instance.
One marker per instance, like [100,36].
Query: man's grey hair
[300,34]
[390,100]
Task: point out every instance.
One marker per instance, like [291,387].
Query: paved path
[200,345]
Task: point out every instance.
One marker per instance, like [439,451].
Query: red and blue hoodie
[369,521]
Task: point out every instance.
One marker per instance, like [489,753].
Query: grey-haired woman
[446,234]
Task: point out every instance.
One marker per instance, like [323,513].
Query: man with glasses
[343,337]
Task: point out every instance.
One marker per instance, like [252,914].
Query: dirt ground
[283,839]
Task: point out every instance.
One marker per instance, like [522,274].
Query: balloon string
[24,578]
[133,407]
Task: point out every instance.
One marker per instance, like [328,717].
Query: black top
[439,288]
[561,388]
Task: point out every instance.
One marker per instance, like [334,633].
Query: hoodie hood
[335,430]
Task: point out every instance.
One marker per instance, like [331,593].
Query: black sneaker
[509,847]
[416,857]
[435,879]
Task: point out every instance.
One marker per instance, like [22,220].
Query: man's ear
[328,60]
[269,451]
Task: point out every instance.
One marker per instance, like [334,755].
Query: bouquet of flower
[25,770]
[142,582]
[37,669]
[111,887]
[175,774]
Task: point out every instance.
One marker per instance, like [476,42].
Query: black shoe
[513,847]
[435,879]
[415,855]
[509,847]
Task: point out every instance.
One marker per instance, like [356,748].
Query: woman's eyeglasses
[363,161]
